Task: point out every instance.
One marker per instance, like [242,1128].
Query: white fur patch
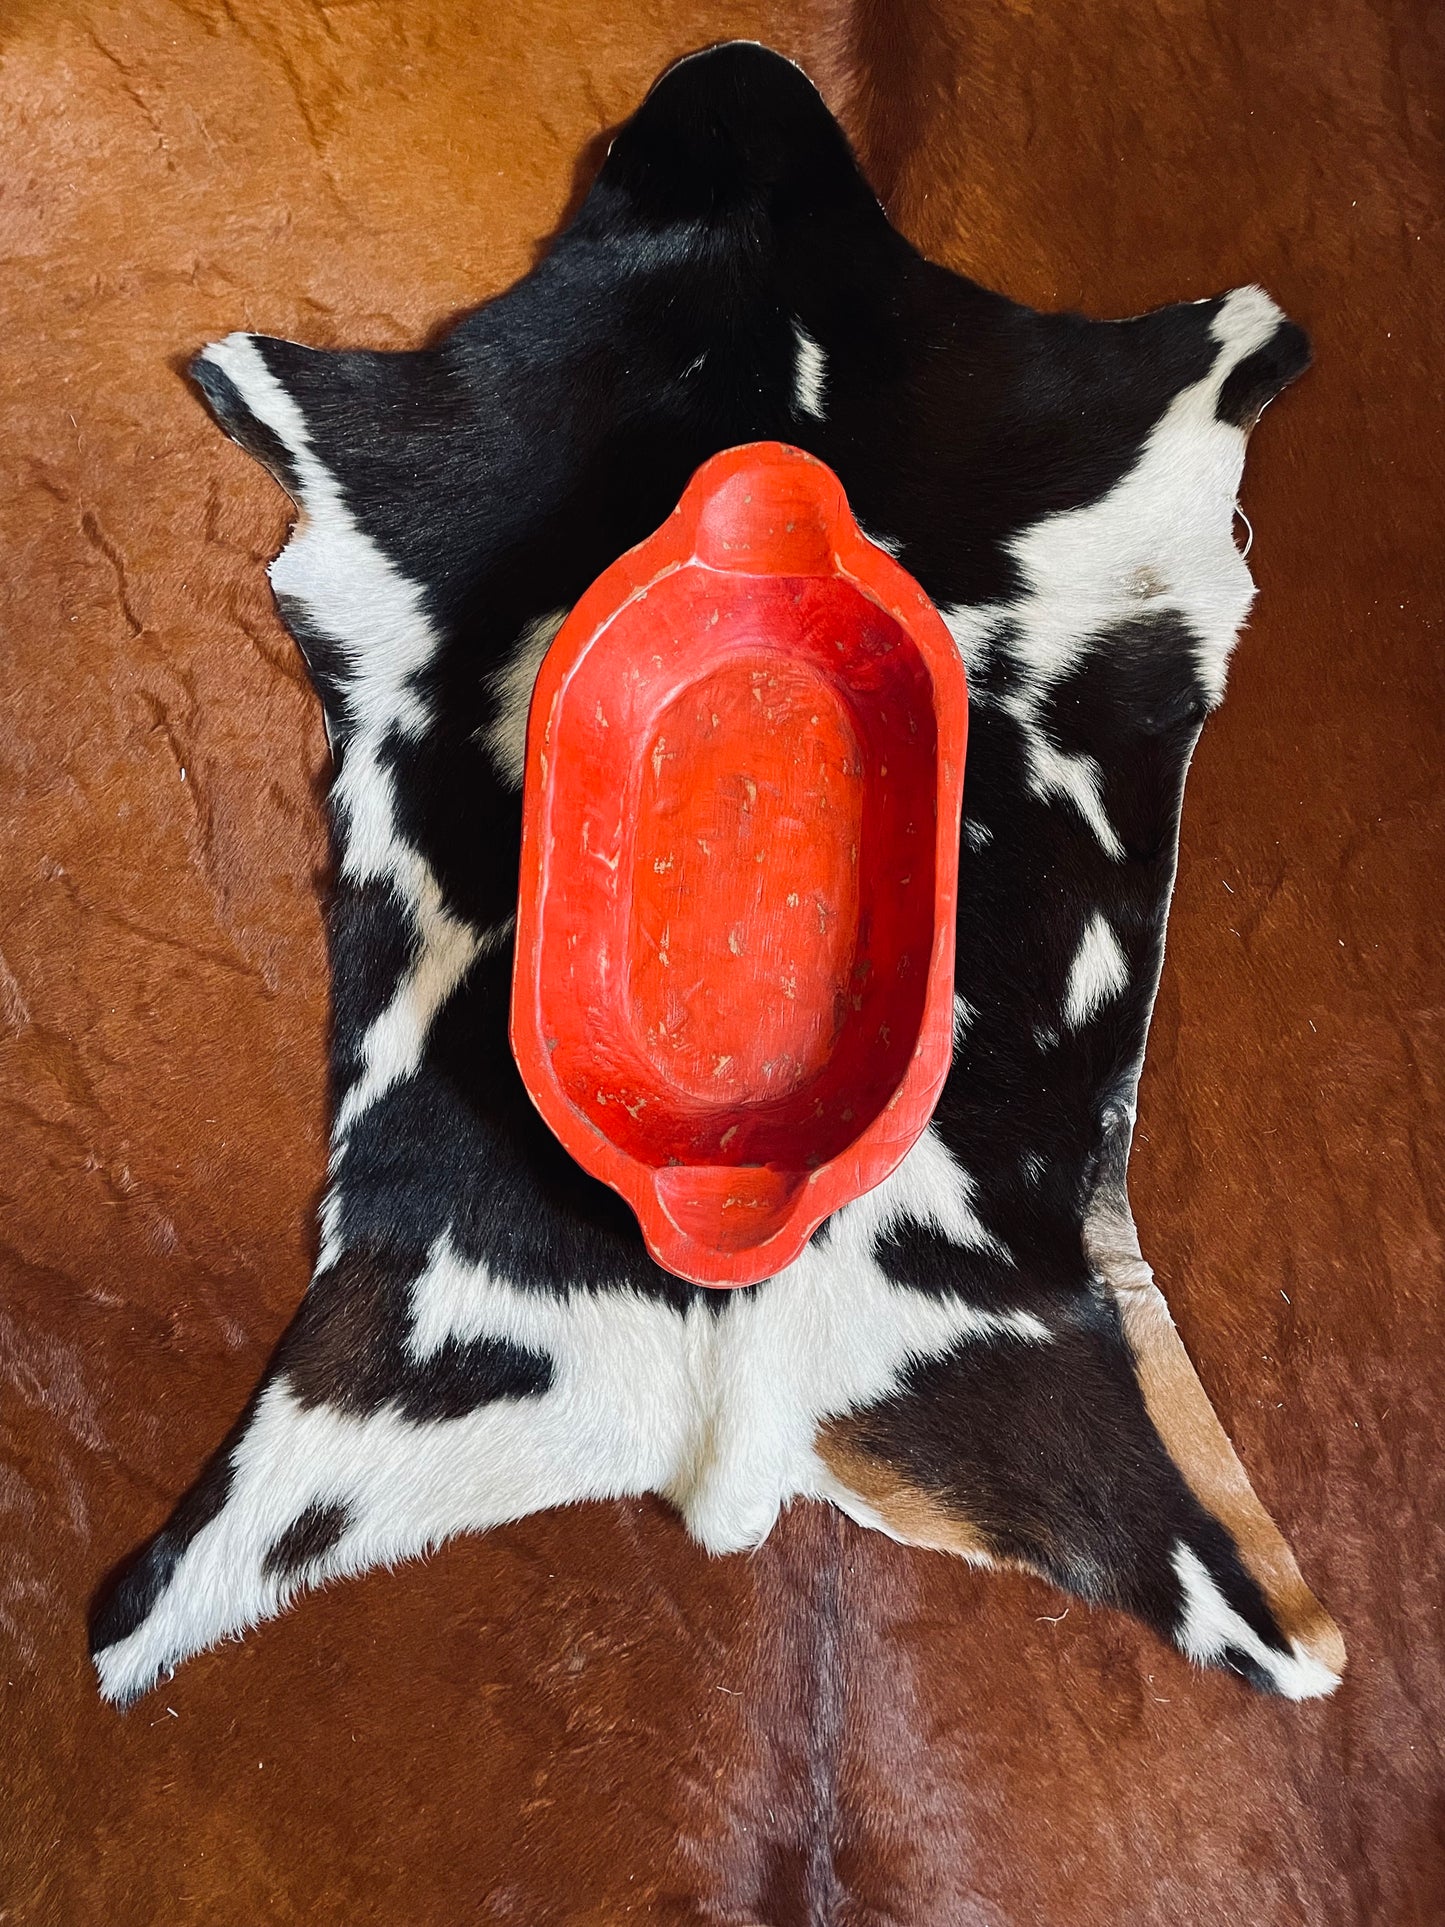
[974,628]
[810,375]
[1099,971]
[1245,322]
[717,1413]
[1211,1625]
[1057,772]
[373,613]
[512,687]
[890,544]
[1161,539]
[376,617]
[369,609]
[393,1045]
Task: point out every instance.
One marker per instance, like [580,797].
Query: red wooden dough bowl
[733,994]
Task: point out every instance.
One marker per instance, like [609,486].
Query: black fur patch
[1008,1436]
[242,426]
[1250,388]
[306,1540]
[372,941]
[347,1349]
[325,663]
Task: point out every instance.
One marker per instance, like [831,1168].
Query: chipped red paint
[733,996]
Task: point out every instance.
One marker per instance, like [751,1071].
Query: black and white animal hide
[974,1355]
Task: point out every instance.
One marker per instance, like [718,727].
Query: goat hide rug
[973,1356]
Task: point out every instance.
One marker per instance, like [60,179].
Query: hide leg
[375,1436]
[1047,1457]
[1179,1409]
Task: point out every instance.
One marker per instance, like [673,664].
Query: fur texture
[973,1356]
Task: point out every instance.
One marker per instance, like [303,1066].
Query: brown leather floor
[582,1719]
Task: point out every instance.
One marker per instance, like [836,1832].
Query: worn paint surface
[733,996]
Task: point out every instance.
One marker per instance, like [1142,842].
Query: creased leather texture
[895,1737]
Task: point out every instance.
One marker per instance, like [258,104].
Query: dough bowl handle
[730,1207]
[776,516]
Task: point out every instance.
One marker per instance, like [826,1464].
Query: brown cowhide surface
[583,1718]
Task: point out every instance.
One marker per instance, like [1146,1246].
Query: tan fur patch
[1198,1444]
[1185,1420]
[912,1515]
